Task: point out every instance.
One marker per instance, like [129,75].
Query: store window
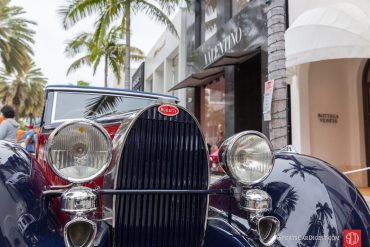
[212,113]
[238,5]
[209,19]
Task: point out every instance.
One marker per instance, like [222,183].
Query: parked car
[125,168]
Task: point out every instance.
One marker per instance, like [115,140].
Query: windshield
[84,105]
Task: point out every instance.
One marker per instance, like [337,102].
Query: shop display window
[212,111]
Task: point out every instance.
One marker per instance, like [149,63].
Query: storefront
[226,66]
[138,78]
[328,51]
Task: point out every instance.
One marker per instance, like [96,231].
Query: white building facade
[327,58]
[163,65]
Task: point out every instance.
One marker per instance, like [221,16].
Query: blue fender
[21,220]
[313,201]
[220,234]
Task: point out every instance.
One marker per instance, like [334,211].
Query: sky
[51,38]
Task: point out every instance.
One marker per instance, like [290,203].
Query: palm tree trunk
[17,100]
[279,125]
[128,47]
[106,71]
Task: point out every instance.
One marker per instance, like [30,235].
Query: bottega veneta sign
[223,46]
[328,118]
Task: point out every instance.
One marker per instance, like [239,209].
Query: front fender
[21,184]
[314,202]
[220,234]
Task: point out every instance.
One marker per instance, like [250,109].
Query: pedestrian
[28,140]
[9,127]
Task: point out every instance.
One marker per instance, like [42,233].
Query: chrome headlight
[79,151]
[248,157]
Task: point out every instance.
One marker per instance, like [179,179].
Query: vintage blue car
[123,168]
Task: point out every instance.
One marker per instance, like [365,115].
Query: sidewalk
[366,193]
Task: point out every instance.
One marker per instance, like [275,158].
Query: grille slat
[162,152]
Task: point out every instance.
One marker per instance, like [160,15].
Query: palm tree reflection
[318,220]
[284,198]
[298,168]
[102,104]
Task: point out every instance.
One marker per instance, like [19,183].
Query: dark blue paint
[310,198]
[221,234]
[20,207]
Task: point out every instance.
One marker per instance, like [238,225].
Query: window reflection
[238,5]
[209,19]
[79,105]
[213,113]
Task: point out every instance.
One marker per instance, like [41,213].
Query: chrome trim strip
[140,192]
[54,106]
[357,170]
[288,149]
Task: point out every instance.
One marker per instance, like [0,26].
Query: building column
[182,56]
[158,81]
[276,26]
[167,75]
[301,136]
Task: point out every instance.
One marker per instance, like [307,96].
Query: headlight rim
[225,150]
[61,127]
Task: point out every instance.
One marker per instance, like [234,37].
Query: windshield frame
[55,98]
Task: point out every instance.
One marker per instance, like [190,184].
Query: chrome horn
[79,202]
[258,202]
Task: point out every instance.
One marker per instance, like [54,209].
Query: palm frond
[85,60]
[158,15]
[77,10]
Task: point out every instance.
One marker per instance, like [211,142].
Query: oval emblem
[168,110]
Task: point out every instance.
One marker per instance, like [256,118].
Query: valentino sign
[223,46]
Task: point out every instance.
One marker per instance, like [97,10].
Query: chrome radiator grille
[162,153]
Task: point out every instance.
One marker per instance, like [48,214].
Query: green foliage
[16,38]
[24,91]
[108,12]
[110,49]
[83,83]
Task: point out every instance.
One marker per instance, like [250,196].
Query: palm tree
[112,10]
[24,91]
[15,38]
[110,49]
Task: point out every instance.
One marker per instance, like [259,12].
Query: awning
[332,32]
[233,58]
[199,79]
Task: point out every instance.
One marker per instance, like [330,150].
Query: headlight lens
[79,151]
[248,157]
